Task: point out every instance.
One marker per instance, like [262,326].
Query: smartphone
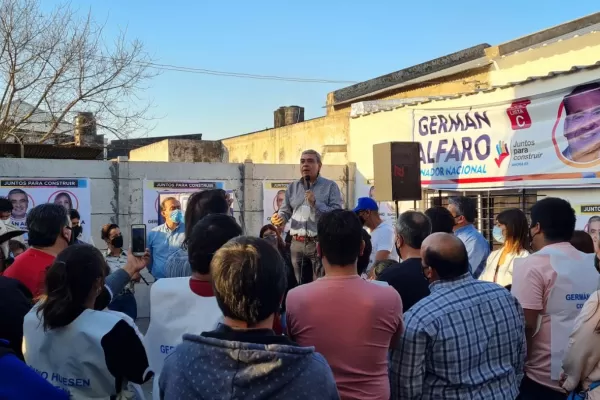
[138,239]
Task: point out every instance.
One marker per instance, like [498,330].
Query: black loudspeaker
[397,171]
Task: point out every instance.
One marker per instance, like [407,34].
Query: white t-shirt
[382,239]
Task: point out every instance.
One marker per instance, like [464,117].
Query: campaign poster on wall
[547,141]
[588,219]
[273,197]
[387,209]
[366,188]
[26,193]
[157,191]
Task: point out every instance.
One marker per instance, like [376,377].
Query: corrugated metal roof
[409,102]
[478,63]
[12,150]
[580,32]
[39,121]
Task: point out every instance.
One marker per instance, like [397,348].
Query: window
[489,204]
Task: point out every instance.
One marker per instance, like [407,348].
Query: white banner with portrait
[273,197]
[157,191]
[26,193]
[387,209]
[588,220]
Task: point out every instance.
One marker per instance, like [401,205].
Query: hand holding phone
[138,239]
[135,264]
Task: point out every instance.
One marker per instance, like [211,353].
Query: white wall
[117,192]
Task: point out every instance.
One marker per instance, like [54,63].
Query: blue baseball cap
[366,204]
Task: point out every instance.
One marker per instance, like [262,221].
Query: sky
[336,40]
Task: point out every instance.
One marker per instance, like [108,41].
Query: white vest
[175,310]
[72,357]
[576,280]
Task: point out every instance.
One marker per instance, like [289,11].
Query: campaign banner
[26,193]
[546,141]
[588,220]
[157,191]
[387,209]
[273,197]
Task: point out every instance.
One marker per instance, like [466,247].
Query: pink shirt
[352,323]
[533,280]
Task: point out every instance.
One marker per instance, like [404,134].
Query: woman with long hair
[88,353]
[64,199]
[200,204]
[581,364]
[512,231]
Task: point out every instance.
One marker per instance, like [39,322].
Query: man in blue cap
[382,232]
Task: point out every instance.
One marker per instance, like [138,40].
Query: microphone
[306,182]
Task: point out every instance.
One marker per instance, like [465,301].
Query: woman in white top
[581,364]
[512,230]
[90,354]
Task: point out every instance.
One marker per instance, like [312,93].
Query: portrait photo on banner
[155,192]
[273,197]
[387,210]
[588,220]
[26,193]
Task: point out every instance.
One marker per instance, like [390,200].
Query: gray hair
[164,202]
[595,218]
[465,206]
[413,227]
[314,153]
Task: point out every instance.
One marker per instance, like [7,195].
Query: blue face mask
[177,216]
[497,234]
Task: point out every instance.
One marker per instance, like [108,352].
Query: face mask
[117,242]
[497,234]
[76,232]
[363,220]
[531,240]
[177,216]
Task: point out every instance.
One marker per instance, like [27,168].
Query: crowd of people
[351,306]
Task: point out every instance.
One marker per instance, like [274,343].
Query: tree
[56,64]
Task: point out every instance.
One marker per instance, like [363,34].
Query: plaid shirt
[464,341]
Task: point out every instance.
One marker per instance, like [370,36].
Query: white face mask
[498,235]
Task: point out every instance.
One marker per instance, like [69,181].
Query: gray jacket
[212,368]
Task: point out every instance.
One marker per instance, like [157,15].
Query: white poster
[273,197]
[26,193]
[156,191]
[588,219]
[387,209]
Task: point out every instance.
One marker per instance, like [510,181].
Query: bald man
[465,340]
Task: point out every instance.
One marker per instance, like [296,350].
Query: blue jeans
[126,304]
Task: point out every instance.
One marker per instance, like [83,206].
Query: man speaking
[305,201]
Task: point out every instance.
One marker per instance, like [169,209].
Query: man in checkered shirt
[466,340]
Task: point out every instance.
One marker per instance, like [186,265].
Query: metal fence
[489,204]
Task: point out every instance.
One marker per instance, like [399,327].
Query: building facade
[522,138]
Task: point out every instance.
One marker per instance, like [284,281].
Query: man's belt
[303,239]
